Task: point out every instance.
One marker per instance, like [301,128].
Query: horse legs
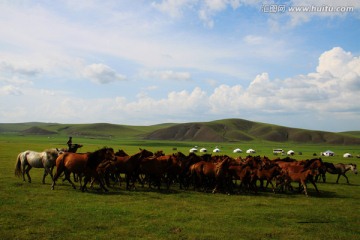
[59,171]
[272,185]
[127,178]
[323,177]
[67,177]
[23,171]
[102,185]
[313,183]
[46,172]
[27,173]
[303,183]
[97,178]
[342,174]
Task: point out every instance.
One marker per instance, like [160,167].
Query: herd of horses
[203,173]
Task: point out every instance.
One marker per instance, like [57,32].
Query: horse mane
[94,160]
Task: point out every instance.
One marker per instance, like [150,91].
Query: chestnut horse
[82,164]
[208,174]
[302,177]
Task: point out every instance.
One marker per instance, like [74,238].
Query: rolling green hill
[229,130]
[226,130]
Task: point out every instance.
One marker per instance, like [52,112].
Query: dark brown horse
[82,164]
[243,173]
[121,153]
[74,147]
[156,168]
[129,165]
[267,173]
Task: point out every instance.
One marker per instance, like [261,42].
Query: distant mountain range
[226,130]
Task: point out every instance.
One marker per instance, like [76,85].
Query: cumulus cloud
[332,88]
[329,92]
[102,74]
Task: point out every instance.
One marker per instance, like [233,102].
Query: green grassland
[34,211]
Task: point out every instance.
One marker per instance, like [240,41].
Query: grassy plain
[33,211]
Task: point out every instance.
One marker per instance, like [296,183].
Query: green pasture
[34,211]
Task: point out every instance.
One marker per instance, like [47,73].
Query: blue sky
[149,62]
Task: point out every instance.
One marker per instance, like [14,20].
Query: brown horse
[82,164]
[267,173]
[208,174]
[129,165]
[243,173]
[186,163]
[158,167]
[300,166]
[302,178]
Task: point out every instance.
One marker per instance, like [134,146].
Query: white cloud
[173,8]
[24,69]
[325,92]
[206,9]
[135,36]
[167,75]
[102,74]
[10,90]
[333,88]
[253,39]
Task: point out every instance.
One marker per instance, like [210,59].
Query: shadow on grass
[123,191]
[60,186]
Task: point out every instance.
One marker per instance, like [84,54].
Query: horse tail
[18,171]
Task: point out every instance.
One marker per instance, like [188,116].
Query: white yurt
[250,150]
[290,152]
[203,150]
[347,155]
[216,149]
[237,150]
[328,153]
[192,150]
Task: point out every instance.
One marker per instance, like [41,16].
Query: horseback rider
[69,143]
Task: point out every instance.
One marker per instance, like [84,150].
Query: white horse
[340,169]
[29,159]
